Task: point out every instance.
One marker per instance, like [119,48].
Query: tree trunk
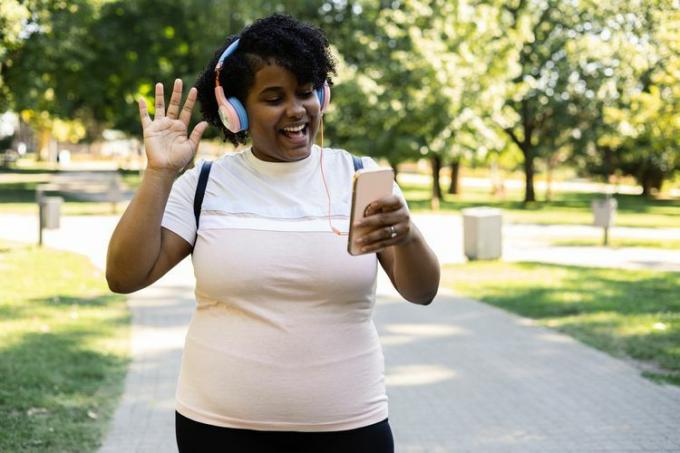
[436,162]
[529,193]
[455,169]
[646,187]
[548,179]
[608,163]
[44,138]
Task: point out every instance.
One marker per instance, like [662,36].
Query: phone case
[367,186]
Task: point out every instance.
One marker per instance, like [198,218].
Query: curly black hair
[283,40]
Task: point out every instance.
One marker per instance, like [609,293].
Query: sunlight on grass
[668,244]
[633,314]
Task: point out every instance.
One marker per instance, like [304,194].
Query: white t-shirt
[282,337]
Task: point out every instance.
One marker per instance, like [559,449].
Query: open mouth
[295,132]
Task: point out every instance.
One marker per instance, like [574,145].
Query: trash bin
[604,212]
[482,233]
[50,212]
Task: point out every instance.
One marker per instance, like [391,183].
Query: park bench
[87,186]
[8,158]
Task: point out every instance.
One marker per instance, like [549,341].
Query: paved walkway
[462,376]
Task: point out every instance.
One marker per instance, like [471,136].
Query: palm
[167,144]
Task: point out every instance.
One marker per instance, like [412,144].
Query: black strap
[200,189]
[358,163]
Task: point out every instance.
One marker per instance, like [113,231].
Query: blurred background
[541,109]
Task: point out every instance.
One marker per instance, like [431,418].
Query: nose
[295,108]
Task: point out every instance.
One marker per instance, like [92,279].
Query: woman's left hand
[387,222]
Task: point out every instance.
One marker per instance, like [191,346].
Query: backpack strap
[200,189]
[358,163]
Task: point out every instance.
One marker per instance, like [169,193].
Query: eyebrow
[276,88]
[271,88]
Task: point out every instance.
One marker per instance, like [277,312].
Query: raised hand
[165,137]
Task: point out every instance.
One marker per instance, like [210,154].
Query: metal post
[39,196]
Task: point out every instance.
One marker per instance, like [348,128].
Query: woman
[281,353]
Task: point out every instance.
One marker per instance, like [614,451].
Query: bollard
[482,230]
[604,213]
[49,214]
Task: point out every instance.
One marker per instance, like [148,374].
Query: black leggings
[193,436]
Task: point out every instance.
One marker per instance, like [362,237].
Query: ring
[393,231]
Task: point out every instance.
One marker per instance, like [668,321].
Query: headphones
[231,111]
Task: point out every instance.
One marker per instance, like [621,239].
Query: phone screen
[368,186]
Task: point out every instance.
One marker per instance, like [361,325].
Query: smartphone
[367,186]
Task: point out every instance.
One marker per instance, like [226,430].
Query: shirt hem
[229,422]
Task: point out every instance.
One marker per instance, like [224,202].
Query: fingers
[196,134]
[385,233]
[385,204]
[384,237]
[381,220]
[160,102]
[175,98]
[185,116]
[144,113]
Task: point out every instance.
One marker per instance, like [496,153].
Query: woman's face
[283,115]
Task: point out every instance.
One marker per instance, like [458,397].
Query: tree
[632,116]
[425,72]
[540,113]
[13,17]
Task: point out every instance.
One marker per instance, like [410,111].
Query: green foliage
[632,118]
[417,77]
[588,83]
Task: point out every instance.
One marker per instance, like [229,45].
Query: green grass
[64,349]
[668,244]
[629,314]
[565,208]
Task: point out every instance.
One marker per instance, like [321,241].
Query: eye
[275,100]
[306,93]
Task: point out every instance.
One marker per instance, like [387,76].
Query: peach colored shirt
[282,337]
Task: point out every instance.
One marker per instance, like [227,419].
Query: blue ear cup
[240,111]
[323,93]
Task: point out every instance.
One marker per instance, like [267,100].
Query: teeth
[294,129]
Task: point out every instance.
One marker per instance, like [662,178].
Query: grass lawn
[565,207]
[629,314]
[668,244]
[64,349]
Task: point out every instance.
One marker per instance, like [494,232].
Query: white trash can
[604,212]
[50,212]
[482,230]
